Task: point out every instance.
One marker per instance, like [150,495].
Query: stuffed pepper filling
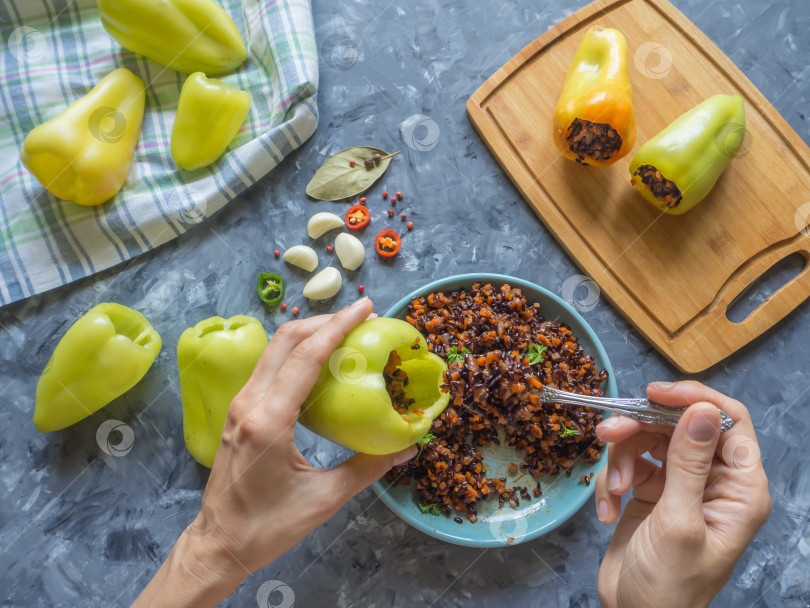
[661,188]
[395,382]
[592,141]
[405,396]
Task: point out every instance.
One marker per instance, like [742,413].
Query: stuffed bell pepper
[677,168]
[380,391]
[594,120]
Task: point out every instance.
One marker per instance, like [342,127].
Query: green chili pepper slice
[270,288]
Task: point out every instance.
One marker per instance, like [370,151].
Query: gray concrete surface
[81,528]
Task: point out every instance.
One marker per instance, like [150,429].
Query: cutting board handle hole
[766,284]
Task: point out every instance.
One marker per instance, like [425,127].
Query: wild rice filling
[592,141]
[663,189]
[395,382]
[488,334]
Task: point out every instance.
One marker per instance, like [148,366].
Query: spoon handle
[642,410]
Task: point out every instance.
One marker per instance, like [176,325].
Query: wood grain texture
[673,277]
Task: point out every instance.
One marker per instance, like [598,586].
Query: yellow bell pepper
[103,355]
[84,154]
[594,120]
[184,35]
[209,115]
[216,358]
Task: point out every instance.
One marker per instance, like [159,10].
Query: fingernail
[360,303]
[702,427]
[663,385]
[405,455]
[602,510]
[614,479]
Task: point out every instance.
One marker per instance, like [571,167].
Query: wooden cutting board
[673,277]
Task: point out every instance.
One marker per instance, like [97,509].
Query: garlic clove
[302,256]
[323,285]
[349,250]
[321,223]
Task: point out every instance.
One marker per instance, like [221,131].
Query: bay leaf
[337,179]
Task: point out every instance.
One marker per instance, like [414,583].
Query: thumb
[361,470]
[689,459]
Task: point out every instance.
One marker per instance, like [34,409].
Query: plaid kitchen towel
[54,52]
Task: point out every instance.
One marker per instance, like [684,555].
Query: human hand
[263,497]
[688,523]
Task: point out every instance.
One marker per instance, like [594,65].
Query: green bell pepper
[677,168]
[350,403]
[103,355]
[209,114]
[216,358]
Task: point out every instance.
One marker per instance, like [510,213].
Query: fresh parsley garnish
[423,442]
[535,353]
[453,355]
[429,509]
[426,439]
[567,432]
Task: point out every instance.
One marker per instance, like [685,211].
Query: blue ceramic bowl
[562,496]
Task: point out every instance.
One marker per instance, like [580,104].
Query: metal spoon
[642,410]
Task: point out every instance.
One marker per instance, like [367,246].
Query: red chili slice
[357,217]
[387,243]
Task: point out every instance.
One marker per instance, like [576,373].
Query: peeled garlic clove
[323,285]
[349,250]
[302,256]
[321,223]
